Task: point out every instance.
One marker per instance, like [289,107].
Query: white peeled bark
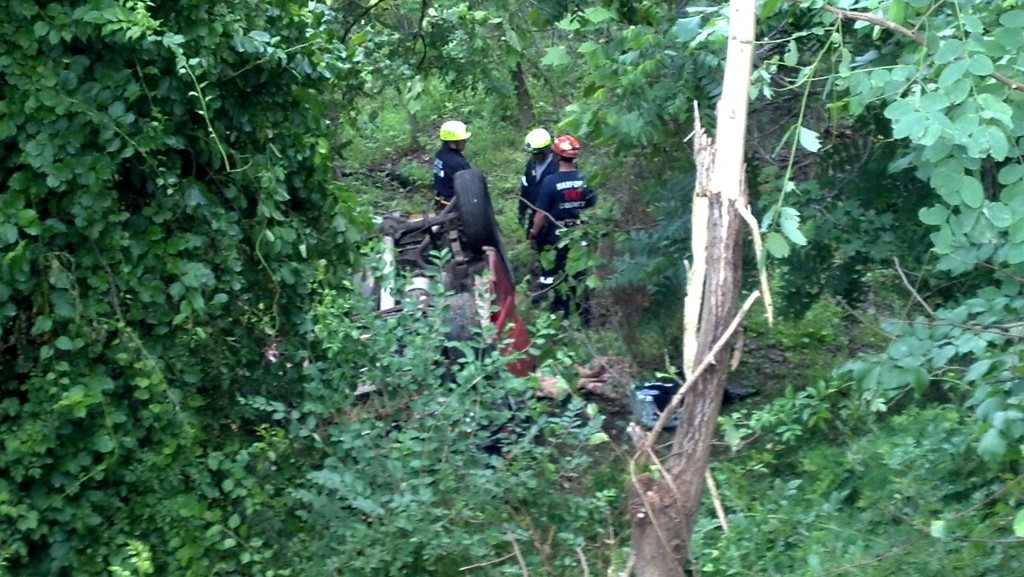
[695,281]
[664,511]
[731,127]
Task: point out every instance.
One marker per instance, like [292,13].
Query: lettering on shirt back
[572,194]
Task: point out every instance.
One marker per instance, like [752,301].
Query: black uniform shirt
[563,195]
[447,162]
[530,186]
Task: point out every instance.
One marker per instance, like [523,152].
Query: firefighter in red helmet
[560,200]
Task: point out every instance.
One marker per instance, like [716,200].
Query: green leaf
[934,101]
[555,56]
[964,222]
[980,65]
[992,106]
[978,370]
[934,215]
[26,217]
[972,23]
[8,233]
[1016,231]
[809,139]
[942,240]
[62,305]
[769,8]
[992,445]
[598,14]
[910,125]
[41,28]
[998,145]
[569,23]
[1013,19]
[998,214]
[1018,524]
[7,128]
[949,51]
[931,135]
[43,324]
[103,444]
[598,438]
[897,11]
[792,54]
[898,109]
[512,37]
[789,224]
[939,529]
[732,436]
[1011,173]
[952,73]
[686,29]
[116,109]
[1010,38]
[971,192]
[776,245]
[63,343]
[1015,253]
[260,36]
[1013,194]
[959,90]
[903,347]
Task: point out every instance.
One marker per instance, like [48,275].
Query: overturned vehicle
[476,273]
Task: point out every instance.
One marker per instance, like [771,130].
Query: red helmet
[566,146]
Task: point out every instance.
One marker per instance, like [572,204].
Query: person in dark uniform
[542,163]
[560,200]
[449,160]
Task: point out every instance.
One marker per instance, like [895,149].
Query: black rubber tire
[477,223]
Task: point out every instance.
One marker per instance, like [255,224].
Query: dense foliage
[448,464]
[166,206]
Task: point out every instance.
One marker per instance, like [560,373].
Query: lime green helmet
[537,140]
[453,130]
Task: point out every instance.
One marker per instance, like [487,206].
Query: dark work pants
[568,295]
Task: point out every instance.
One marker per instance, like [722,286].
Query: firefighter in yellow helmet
[541,164]
[449,160]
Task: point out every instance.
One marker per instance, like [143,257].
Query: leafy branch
[911,34]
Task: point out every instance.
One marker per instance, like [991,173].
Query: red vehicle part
[510,328]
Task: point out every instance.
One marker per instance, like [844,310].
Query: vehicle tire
[477,223]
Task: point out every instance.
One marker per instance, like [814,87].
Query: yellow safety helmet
[453,130]
[537,140]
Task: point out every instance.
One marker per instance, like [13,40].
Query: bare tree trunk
[414,131]
[664,512]
[523,99]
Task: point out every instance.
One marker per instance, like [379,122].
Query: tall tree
[663,512]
